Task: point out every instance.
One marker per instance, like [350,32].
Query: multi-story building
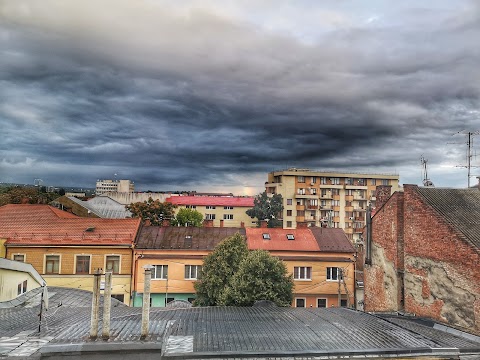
[109,186]
[224,211]
[338,199]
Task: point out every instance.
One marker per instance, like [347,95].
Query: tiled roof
[212,201]
[332,240]
[459,207]
[172,237]
[45,225]
[303,239]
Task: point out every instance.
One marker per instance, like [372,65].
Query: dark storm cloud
[176,100]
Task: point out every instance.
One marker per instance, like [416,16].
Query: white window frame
[304,302]
[307,274]
[301,179]
[210,207]
[59,264]
[119,263]
[227,216]
[16,254]
[330,274]
[198,269]
[228,208]
[163,276]
[209,216]
[89,264]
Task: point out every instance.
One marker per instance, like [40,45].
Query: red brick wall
[442,270]
[381,283]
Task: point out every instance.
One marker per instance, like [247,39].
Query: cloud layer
[213,95]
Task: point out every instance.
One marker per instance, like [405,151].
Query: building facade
[224,211]
[16,278]
[66,249]
[339,200]
[114,186]
[424,256]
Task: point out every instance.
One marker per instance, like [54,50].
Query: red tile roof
[212,201]
[45,225]
[303,239]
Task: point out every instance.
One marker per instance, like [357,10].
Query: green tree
[188,217]
[217,271]
[267,208]
[260,277]
[153,210]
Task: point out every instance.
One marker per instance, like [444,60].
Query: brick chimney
[242,224]
[263,223]
[147,222]
[165,223]
[382,194]
[302,225]
[207,223]
[221,223]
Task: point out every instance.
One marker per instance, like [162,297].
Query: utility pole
[470,155]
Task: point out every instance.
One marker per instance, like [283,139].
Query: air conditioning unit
[351,218]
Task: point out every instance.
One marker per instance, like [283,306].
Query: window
[191,206]
[302,273]
[323,180]
[289,201]
[299,302]
[19,257]
[332,273]
[266,236]
[227,216]
[83,264]
[300,212]
[290,237]
[228,207]
[300,201]
[343,302]
[373,182]
[193,272]
[112,263]
[322,303]
[289,224]
[169,300]
[348,181]
[22,288]
[301,179]
[301,191]
[335,191]
[349,192]
[119,297]
[313,191]
[209,207]
[336,202]
[384,181]
[210,216]
[289,212]
[52,264]
[160,272]
[314,179]
[335,181]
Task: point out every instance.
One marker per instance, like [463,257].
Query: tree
[233,276]
[188,217]
[267,208]
[260,277]
[217,270]
[153,210]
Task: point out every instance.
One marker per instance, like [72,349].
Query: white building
[113,186]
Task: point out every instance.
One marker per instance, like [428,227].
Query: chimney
[242,224]
[302,225]
[147,222]
[382,194]
[263,223]
[207,223]
[221,223]
[165,222]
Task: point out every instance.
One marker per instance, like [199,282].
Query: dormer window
[290,237]
[266,236]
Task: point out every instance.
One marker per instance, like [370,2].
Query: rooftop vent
[266,236]
[290,237]
[90,229]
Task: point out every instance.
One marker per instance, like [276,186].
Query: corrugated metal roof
[172,237]
[459,207]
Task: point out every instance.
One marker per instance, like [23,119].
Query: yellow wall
[239,216]
[9,280]
[2,248]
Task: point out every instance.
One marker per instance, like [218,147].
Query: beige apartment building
[113,186]
[339,200]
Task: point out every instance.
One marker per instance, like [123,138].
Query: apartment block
[113,186]
[332,199]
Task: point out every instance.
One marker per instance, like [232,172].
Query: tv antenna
[470,155]
[425,180]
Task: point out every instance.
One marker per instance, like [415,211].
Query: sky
[212,95]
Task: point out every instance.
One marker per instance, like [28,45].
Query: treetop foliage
[153,210]
[188,217]
[267,208]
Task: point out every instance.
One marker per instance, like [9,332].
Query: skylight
[266,236]
[290,237]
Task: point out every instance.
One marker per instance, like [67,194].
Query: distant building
[17,277]
[100,206]
[424,255]
[224,211]
[337,199]
[109,186]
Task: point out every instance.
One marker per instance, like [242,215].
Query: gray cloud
[190,96]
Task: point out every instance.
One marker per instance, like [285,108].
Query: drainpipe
[368,250]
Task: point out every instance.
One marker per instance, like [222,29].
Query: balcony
[311,207]
[306,196]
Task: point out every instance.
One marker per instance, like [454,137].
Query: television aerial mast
[425,180]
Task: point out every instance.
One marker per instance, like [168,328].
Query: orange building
[66,249]
[320,259]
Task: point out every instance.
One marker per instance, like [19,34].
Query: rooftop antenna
[470,155]
[426,181]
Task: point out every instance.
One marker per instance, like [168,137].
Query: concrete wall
[9,280]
